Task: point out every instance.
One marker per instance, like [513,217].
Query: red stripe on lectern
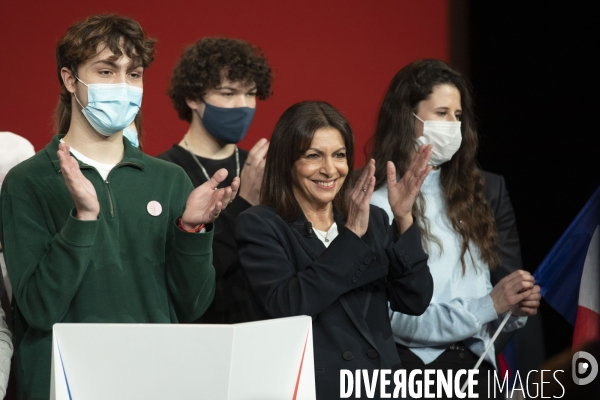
[300,370]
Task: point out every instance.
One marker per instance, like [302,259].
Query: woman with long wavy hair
[429,103]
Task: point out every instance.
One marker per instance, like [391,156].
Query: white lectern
[259,360]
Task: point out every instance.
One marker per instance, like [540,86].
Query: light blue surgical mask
[132,135]
[111,106]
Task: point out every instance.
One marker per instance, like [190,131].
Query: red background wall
[342,52]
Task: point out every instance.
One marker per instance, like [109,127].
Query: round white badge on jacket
[154,208]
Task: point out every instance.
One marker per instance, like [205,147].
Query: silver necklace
[237,160]
[327,234]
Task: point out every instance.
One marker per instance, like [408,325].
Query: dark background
[536,87]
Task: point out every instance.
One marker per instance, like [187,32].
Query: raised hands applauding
[401,194]
[206,201]
[81,189]
[203,206]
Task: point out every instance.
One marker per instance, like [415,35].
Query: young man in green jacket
[93,230]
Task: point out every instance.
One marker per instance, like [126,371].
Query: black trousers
[452,359]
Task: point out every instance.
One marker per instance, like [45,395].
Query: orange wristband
[198,229]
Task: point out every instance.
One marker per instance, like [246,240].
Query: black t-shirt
[185,160]
[234,301]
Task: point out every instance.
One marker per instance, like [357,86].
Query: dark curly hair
[122,35]
[462,183]
[205,64]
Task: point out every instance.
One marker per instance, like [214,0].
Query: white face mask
[445,137]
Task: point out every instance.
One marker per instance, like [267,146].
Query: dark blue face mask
[228,125]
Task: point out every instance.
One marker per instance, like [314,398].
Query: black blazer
[509,248]
[528,343]
[345,287]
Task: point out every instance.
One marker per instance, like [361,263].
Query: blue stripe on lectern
[64,372]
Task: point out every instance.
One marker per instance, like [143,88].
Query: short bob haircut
[205,64]
[292,136]
[122,35]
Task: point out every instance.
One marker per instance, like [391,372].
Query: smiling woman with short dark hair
[316,247]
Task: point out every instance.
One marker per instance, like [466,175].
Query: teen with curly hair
[214,87]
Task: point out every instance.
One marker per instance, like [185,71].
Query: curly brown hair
[205,64]
[122,35]
[462,183]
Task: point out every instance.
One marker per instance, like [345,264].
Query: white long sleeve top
[461,308]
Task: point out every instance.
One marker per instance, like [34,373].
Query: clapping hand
[81,189]
[206,201]
[252,172]
[402,194]
[360,198]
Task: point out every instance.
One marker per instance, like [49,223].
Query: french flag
[569,276]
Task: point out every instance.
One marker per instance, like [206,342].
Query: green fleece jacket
[128,266]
